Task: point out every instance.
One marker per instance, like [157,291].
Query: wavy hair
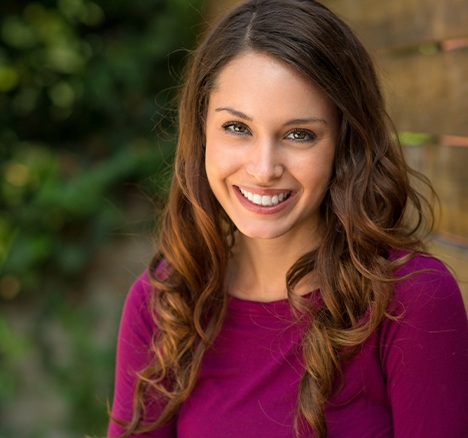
[365,211]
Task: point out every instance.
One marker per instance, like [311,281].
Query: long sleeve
[410,379]
[133,354]
[424,355]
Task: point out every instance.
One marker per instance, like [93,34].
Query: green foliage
[12,349]
[414,138]
[82,86]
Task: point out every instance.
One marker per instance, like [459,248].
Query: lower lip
[263,209]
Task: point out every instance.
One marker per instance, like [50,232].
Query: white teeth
[257,199]
[265,200]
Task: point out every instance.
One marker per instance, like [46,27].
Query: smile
[265,200]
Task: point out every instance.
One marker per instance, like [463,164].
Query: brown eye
[236,128]
[301,135]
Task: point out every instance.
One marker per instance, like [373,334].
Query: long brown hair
[365,212]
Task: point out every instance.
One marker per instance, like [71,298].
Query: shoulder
[427,302]
[423,350]
[136,323]
[424,280]
[137,311]
[139,295]
[417,263]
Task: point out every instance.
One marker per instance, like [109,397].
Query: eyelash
[310,136]
[231,127]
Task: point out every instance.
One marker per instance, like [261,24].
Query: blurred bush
[82,86]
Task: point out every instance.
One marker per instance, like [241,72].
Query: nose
[264,163]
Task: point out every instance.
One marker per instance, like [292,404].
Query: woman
[289,295]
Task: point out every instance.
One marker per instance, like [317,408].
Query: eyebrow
[244,116]
[235,113]
[305,121]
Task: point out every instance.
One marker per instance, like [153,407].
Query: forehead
[246,62]
[257,81]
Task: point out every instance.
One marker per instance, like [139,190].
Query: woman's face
[270,144]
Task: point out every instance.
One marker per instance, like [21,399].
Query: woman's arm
[133,354]
[425,355]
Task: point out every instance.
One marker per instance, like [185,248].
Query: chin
[260,234]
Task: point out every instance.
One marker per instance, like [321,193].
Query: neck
[259,267]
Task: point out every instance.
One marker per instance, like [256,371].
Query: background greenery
[83,84]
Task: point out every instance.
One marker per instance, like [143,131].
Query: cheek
[215,166]
[212,160]
[220,159]
[316,176]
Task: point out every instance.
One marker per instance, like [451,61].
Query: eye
[236,128]
[301,135]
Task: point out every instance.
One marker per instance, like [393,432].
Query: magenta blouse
[409,379]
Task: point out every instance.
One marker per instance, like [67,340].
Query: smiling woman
[289,294]
[270,135]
